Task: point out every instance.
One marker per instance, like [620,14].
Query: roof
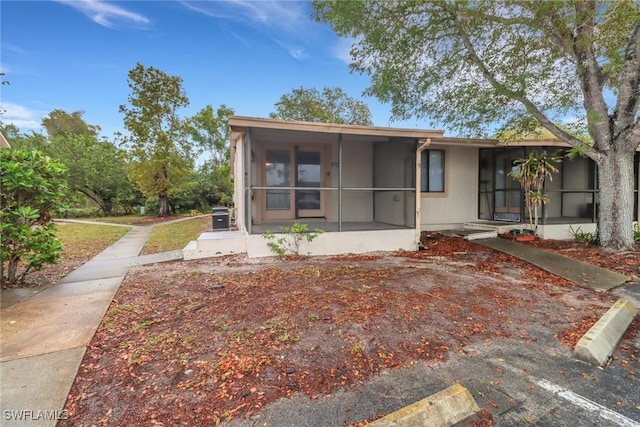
[3,141]
[241,123]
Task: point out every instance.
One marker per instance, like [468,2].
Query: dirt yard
[202,342]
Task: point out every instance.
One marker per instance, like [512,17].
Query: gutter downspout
[423,145]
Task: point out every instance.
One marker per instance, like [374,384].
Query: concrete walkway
[45,334]
[576,271]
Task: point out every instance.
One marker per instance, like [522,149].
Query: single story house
[358,183]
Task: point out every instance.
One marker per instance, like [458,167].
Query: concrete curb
[449,407]
[597,345]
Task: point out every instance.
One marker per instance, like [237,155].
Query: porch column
[247,181]
[423,144]
[339,182]
[237,164]
[638,178]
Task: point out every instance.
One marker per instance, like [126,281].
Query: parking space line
[584,403]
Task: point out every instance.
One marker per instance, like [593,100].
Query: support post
[423,144]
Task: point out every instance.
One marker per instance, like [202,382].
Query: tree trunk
[107,208]
[163,201]
[615,210]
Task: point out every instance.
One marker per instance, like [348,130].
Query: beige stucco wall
[459,203]
[356,242]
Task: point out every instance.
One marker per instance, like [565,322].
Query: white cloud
[8,47]
[287,19]
[106,14]
[290,16]
[296,52]
[20,116]
[342,49]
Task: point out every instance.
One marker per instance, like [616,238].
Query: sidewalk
[45,335]
[578,272]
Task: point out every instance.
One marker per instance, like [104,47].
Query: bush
[32,188]
[83,212]
[584,236]
[291,239]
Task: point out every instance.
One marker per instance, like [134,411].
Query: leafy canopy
[475,65]
[332,105]
[161,155]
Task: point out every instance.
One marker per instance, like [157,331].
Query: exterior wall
[563,231]
[356,242]
[459,202]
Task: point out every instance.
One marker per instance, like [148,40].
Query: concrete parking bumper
[597,345]
[453,406]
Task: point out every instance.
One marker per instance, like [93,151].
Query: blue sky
[75,55]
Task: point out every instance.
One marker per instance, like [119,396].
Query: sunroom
[357,183]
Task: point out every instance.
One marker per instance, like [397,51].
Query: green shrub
[290,238]
[584,236]
[82,212]
[32,187]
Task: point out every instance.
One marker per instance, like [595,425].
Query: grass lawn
[80,243]
[84,241]
[173,236]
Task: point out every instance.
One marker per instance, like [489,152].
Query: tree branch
[590,75]
[629,94]
[517,96]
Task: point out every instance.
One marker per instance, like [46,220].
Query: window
[432,171]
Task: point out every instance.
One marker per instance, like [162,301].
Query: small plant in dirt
[584,236]
[289,239]
[358,347]
[636,233]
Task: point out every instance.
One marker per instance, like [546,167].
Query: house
[358,184]
[3,141]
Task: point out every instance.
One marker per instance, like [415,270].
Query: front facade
[359,184]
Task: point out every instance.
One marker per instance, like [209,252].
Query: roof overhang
[241,123]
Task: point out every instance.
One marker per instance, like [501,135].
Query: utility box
[220,218]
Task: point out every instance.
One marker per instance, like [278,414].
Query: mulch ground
[202,342]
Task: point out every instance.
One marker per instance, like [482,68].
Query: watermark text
[34,415]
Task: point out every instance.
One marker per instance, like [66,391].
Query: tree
[27,142]
[475,65]
[210,131]
[31,191]
[161,158]
[333,105]
[96,168]
[61,123]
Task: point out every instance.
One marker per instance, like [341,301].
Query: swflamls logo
[34,415]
